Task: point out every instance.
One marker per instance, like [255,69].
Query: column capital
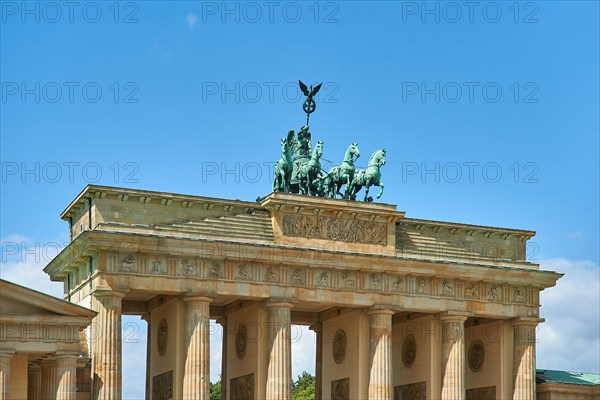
[147,316]
[287,302]
[527,321]
[198,297]
[48,362]
[454,316]
[7,353]
[66,355]
[34,367]
[222,321]
[382,309]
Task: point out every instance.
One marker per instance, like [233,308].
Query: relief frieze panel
[337,229]
[187,266]
[412,391]
[162,386]
[484,393]
[297,276]
[242,387]
[340,389]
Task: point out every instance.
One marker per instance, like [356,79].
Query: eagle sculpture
[309,92]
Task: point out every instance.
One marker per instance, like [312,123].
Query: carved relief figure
[447,289]
[412,391]
[339,229]
[270,275]
[243,272]
[340,389]
[162,386]
[476,355]
[162,337]
[187,267]
[242,388]
[374,281]
[339,346]
[241,341]
[129,264]
[323,279]
[484,393]
[423,287]
[399,285]
[471,291]
[519,295]
[409,350]
[347,280]
[494,293]
[297,275]
[215,270]
[158,267]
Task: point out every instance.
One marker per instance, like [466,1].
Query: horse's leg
[339,189]
[277,182]
[367,186]
[301,187]
[380,184]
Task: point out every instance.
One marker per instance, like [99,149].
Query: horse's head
[319,149]
[353,150]
[378,158]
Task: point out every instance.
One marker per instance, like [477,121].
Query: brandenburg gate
[402,308]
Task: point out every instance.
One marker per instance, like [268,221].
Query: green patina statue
[342,174]
[283,168]
[299,168]
[308,173]
[369,177]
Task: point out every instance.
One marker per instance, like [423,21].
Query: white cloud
[570,337]
[576,235]
[192,20]
[23,261]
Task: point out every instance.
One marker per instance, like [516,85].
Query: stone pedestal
[196,378]
[49,379]
[380,356]
[524,358]
[5,375]
[318,329]
[34,382]
[107,379]
[279,371]
[453,356]
[66,371]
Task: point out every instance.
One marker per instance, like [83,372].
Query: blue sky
[489,112]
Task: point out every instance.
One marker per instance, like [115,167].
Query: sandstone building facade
[402,308]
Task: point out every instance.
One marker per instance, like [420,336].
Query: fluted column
[524,358]
[108,351]
[453,355]
[380,355]
[223,323]
[279,372]
[66,371]
[196,378]
[34,382]
[49,379]
[5,358]
[318,329]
